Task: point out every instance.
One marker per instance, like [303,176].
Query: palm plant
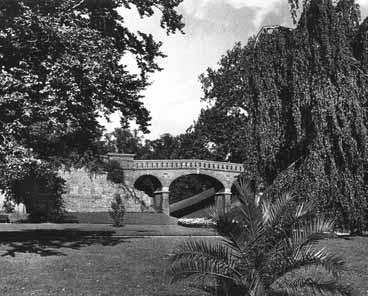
[266,248]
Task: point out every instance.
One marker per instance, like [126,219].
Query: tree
[305,94]
[63,66]
[165,147]
[123,141]
[263,250]
[218,134]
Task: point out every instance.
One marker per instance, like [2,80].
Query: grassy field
[93,265]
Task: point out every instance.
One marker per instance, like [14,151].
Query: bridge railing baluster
[184,164]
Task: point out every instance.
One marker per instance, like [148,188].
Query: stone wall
[93,193]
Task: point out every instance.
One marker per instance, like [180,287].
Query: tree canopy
[304,91]
[63,66]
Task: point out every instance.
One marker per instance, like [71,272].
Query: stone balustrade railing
[127,161]
[185,164]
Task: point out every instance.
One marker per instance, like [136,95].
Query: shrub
[35,184]
[8,205]
[117,211]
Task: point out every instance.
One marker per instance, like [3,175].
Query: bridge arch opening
[149,184]
[185,189]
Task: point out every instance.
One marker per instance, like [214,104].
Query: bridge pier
[223,201]
[161,201]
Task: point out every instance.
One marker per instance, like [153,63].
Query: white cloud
[262,7]
[198,8]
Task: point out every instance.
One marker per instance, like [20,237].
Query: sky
[211,28]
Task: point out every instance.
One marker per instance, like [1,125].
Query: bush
[35,184]
[8,205]
[117,211]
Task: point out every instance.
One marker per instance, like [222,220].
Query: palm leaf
[310,256]
[274,212]
[304,209]
[314,287]
[310,232]
[203,257]
[200,269]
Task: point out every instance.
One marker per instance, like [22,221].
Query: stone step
[129,218]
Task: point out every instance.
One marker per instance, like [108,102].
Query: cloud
[363,7]
[200,9]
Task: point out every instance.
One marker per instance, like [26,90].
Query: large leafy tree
[267,248]
[219,133]
[123,141]
[63,66]
[305,94]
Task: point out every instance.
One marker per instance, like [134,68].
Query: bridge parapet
[127,161]
[177,164]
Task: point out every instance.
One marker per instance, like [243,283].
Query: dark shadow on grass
[51,242]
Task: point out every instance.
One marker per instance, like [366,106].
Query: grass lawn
[82,264]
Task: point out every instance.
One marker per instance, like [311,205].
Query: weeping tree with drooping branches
[304,90]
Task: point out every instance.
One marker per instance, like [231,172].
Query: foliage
[117,211]
[8,205]
[265,248]
[37,186]
[63,65]
[304,93]
[218,135]
[114,171]
[123,141]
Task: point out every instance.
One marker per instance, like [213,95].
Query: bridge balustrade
[184,164]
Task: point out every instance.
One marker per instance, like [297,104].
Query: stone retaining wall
[93,193]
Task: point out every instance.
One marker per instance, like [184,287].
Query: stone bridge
[166,171]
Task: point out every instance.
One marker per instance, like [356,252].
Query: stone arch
[192,193]
[152,186]
[148,183]
[205,178]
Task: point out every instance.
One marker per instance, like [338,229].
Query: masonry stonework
[87,192]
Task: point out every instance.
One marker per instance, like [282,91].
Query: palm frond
[273,212]
[310,256]
[244,223]
[310,232]
[201,268]
[195,257]
[314,287]
[304,209]
[208,249]
[246,194]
